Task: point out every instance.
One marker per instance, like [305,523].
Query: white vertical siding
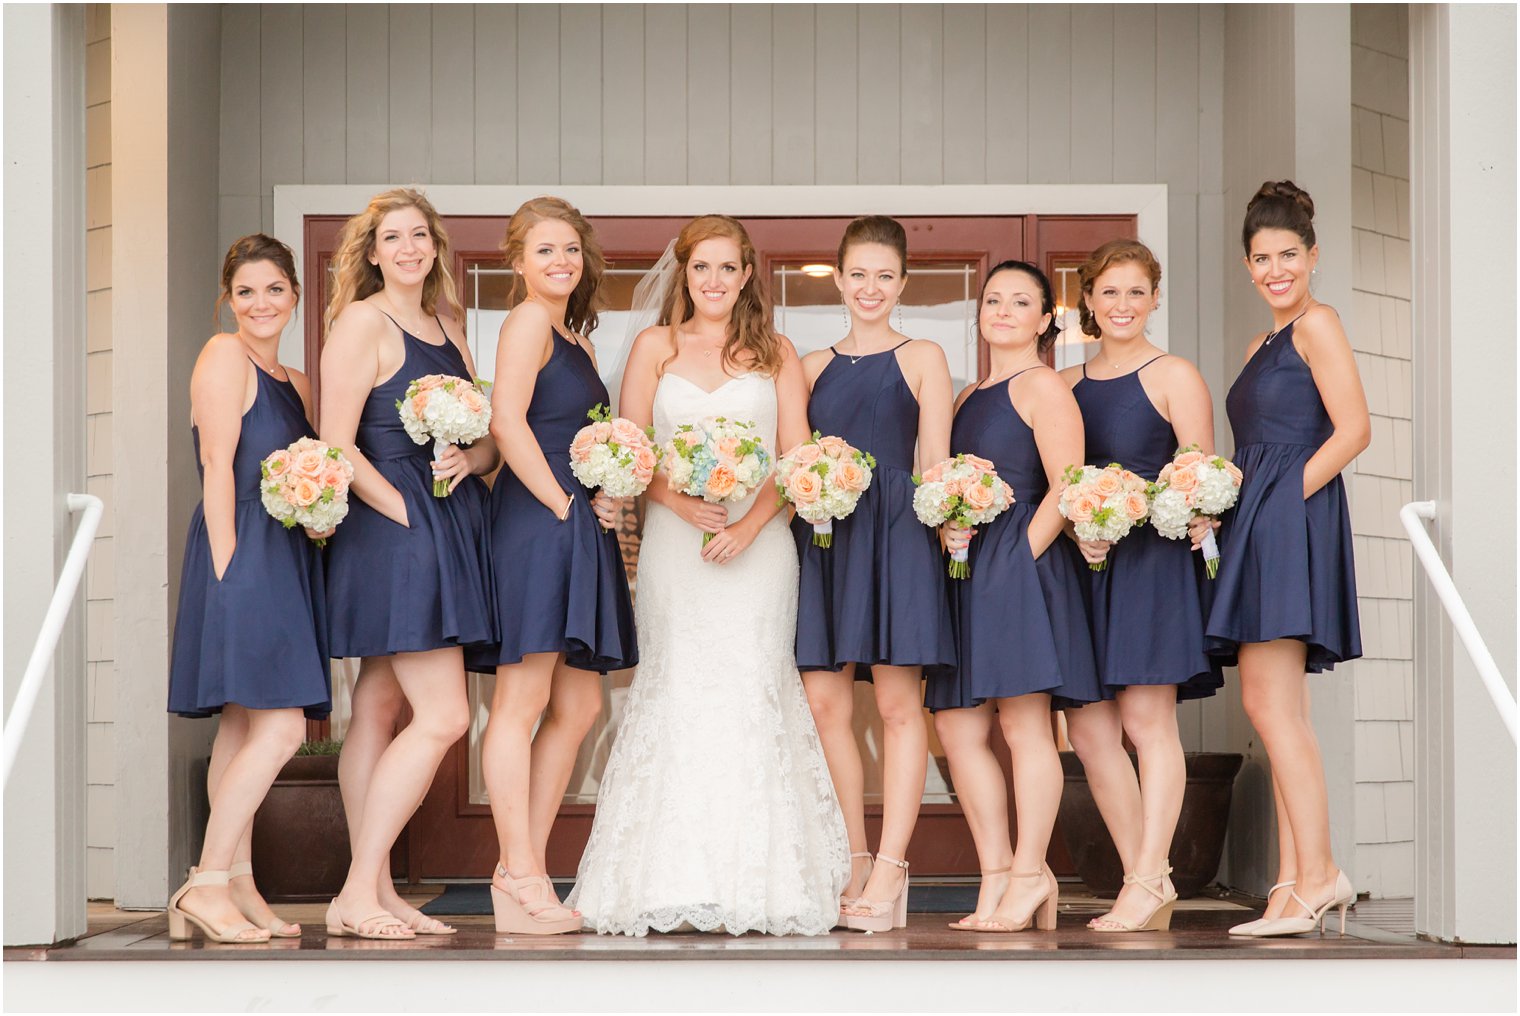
[100,577]
[1381,478]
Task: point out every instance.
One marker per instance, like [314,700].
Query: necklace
[1274,333]
[1116,364]
[414,330]
[1008,374]
[854,358]
[259,362]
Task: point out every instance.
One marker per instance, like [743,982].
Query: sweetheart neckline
[704,391]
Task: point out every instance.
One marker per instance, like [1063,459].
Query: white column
[43,358]
[1462,165]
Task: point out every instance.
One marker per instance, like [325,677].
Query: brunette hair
[749,329]
[1044,340]
[1279,204]
[882,229]
[581,311]
[248,250]
[354,278]
[1114,252]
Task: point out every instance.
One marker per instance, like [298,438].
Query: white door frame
[1147,202]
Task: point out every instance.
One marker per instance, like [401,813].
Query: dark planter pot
[300,835]
[1196,847]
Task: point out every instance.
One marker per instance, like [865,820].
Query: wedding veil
[648,299]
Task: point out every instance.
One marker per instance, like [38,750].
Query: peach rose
[1007,492]
[803,487]
[309,463]
[1082,507]
[1188,459]
[626,432]
[934,473]
[806,454]
[304,492]
[1132,480]
[278,465]
[1234,471]
[644,462]
[335,476]
[721,481]
[978,462]
[955,488]
[980,496]
[728,448]
[833,447]
[581,445]
[472,400]
[1135,506]
[1107,485]
[1165,474]
[419,404]
[849,476]
[1184,480]
[601,433]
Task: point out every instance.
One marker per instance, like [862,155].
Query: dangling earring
[846,318]
[1313,280]
[898,308]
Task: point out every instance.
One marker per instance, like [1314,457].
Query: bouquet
[1104,503]
[717,459]
[963,490]
[614,454]
[823,479]
[448,409]
[306,484]
[1194,484]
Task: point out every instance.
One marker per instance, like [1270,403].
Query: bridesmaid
[409,575]
[1021,624]
[1286,592]
[872,607]
[562,601]
[233,620]
[1139,405]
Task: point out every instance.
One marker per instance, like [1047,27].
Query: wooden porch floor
[1375,930]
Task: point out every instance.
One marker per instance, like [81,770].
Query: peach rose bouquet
[447,409]
[1104,502]
[964,490]
[823,479]
[614,454]
[306,484]
[722,461]
[1194,484]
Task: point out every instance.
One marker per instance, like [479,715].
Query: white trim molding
[1147,202]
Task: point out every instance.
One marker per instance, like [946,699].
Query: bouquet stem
[707,538]
[1098,565]
[960,566]
[440,485]
[1210,554]
[823,534]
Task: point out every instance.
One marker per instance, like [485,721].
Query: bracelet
[565,514]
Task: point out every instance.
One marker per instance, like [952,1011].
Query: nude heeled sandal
[1043,915]
[1341,897]
[1245,930]
[966,923]
[277,927]
[850,901]
[516,916]
[180,919]
[1159,919]
[868,915]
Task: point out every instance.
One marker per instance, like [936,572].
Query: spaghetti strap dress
[878,594]
[426,585]
[1020,622]
[256,637]
[1149,603]
[1286,567]
[560,586]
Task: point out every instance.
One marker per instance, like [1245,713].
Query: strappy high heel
[1341,897]
[180,919]
[1247,929]
[962,924]
[850,901]
[517,916]
[868,915]
[276,928]
[1159,919]
[1043,915]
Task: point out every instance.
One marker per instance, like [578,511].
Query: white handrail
[52,624]
[1461,620]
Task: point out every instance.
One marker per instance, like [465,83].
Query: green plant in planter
[326,746]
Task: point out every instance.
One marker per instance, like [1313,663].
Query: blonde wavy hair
[1114,252]
[354,278]
[581,310]
[749,329]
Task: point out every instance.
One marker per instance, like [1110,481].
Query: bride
[716,810]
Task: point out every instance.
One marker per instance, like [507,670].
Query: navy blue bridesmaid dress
[878,594]
[1150,603]
[560,586]
[426,585]
[256,637]
[1286,568]
[1020,621]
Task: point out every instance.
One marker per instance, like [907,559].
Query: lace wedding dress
[716,809]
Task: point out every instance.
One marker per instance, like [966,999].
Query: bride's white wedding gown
[716,809]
